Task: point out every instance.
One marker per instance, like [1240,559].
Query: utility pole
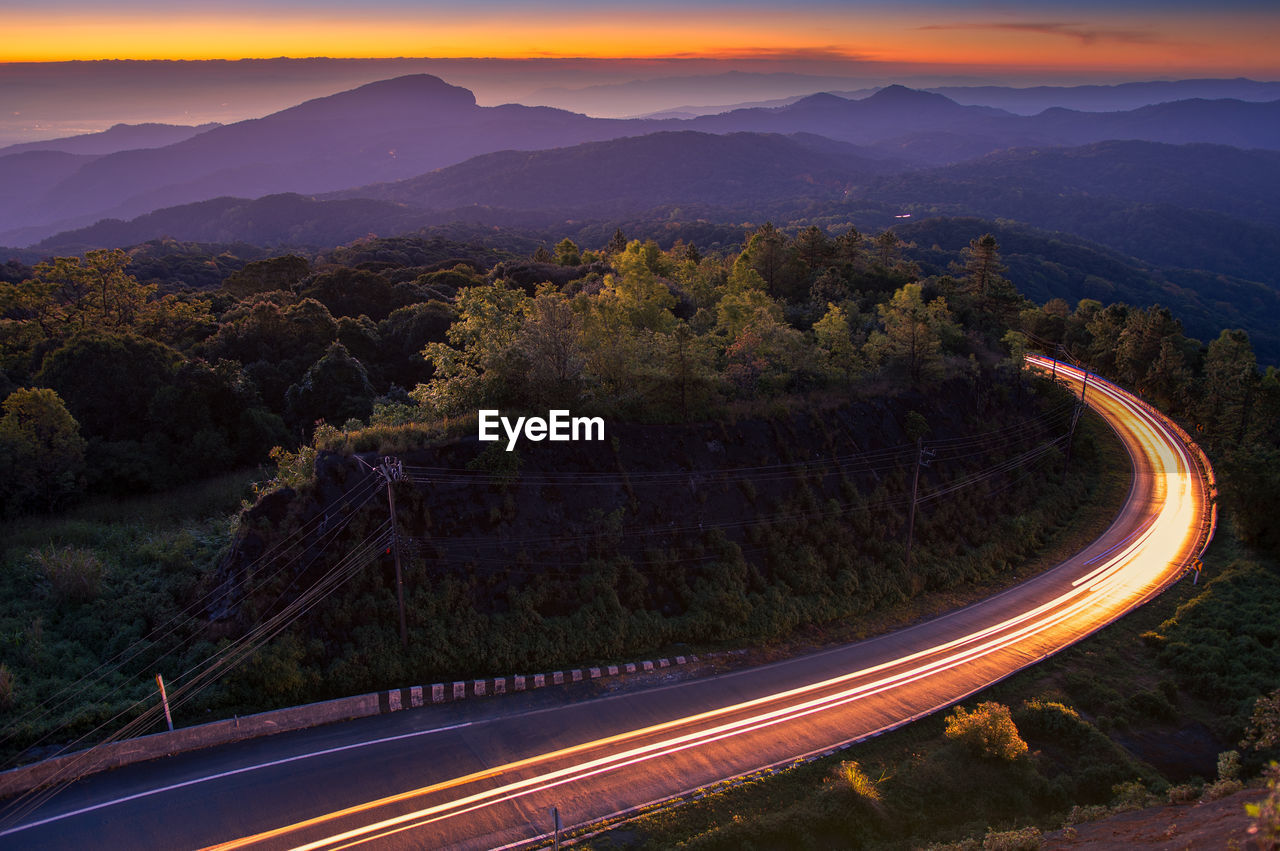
[1075,419]
[557,826]
[393,471]
[923,458]
[164,700]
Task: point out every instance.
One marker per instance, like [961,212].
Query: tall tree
[1229,386]
[913,333]
[550,342]
[41,450]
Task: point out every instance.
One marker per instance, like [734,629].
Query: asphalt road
[484,774]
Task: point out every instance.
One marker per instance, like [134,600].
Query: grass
[105,579]
[217,496]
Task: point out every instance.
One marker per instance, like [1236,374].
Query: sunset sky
[667,53]
[1166,38]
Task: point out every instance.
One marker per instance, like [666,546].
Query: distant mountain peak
[393,95]
[821,99]
[417,85]
[899,95]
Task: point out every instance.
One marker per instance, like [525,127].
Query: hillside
[1208,207]
[632,174]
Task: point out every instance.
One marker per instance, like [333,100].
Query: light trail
[1147,557]
[484,786]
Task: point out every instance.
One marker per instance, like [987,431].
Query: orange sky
[1123,36]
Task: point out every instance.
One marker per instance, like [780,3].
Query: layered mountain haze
[409,126]
[120,137]
[383,131]
[627,175]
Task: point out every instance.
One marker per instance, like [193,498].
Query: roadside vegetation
[789,348]
[1120,721]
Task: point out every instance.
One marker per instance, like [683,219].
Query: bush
[1228,782]
[1266,813]
[74,574]
[1022,839]
[988,731]
[851,775]
[1133,795]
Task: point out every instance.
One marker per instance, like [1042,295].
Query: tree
[985,283]
[476,367]
[835,341]
[688,377]
[549,340]
[982,266]
[109,380]
[352,292]
[76,295]
[913,333]
[41,450]
[568,253]
[769,255]
[335,388]
[617,244]
[814,249]
[1229,386]
[887,248]
[261,276]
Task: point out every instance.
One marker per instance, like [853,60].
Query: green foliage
[74,574]
[911,341]
[987,731]
[1222,644]
[41,450]
[337,386]
[262,276]
[851,775]
[1264,723]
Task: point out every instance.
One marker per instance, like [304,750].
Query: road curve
[485,775]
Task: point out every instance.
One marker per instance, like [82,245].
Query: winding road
[484,774]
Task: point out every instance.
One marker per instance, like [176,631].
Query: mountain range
[409,126]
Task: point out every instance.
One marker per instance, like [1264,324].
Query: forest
[760,365]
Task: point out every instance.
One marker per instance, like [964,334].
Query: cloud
[1083,34]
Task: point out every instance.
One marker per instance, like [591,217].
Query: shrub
[74,574]
[987,731]
[1228,781]
[851,775]
[1132,795]
[1022,839]
[1052,720]
[1266,813]
[1264,724]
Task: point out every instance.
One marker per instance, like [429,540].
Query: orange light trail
[1146,562]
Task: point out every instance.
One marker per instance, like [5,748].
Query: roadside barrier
[69,767]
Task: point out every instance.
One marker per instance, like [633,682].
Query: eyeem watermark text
[558,426]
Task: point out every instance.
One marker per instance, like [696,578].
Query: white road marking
[196,780]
